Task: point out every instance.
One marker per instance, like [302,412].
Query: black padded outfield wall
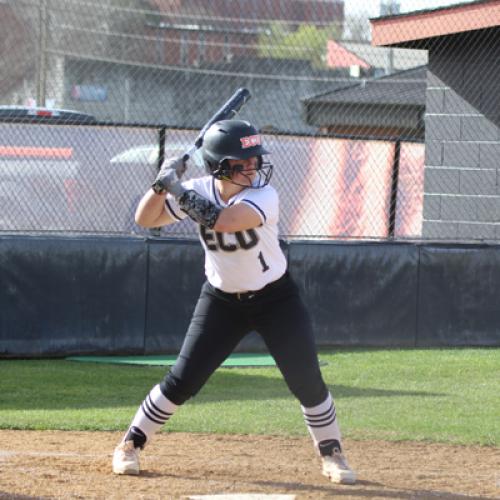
[459,295]
[359,294]
[125,295]
[175,276]
[64,295]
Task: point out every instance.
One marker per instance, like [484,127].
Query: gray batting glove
[171,171]
[176,190]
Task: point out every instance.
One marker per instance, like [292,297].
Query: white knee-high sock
[321,421]
[154,411]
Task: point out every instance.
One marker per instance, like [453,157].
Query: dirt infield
[57,464]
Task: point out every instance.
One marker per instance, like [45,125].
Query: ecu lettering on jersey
[242,240]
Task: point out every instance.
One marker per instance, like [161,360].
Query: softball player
[247,288]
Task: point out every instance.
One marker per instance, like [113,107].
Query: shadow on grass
[59,385]
[226,385]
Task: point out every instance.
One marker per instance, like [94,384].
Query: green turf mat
[235,360]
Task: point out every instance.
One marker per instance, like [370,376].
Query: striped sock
[321,421]
[154,411]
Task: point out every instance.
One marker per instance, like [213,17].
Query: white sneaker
[336,468]
[126,458]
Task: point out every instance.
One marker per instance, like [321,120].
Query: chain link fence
[92,92]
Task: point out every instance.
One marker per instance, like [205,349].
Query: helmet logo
[250,141]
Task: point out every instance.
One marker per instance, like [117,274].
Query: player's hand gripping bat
[173,169]
[228,110]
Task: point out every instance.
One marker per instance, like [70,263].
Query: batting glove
[171,171]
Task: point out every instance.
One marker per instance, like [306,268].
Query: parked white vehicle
[147,154]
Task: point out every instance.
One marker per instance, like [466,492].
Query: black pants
[221,320]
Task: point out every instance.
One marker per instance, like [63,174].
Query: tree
[307,42]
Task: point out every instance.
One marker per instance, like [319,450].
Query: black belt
[253,294]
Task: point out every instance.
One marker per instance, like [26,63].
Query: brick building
[191,32]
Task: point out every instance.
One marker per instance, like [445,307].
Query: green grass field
[446,395]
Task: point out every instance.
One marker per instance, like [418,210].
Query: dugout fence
[88,179]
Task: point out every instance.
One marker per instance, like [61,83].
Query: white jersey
[245,260]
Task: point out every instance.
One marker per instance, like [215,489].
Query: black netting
[368,141]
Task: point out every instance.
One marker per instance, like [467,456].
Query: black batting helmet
[234,140]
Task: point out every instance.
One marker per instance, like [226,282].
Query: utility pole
[41,76]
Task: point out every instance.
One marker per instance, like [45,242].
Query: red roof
[338,56]
[419,25]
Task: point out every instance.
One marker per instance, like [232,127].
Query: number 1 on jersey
[263,263]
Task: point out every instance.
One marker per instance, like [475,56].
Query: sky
[373,6]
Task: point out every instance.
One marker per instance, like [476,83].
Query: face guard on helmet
[235,140]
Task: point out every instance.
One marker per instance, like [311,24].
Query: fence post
[156,231]
[394,189]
